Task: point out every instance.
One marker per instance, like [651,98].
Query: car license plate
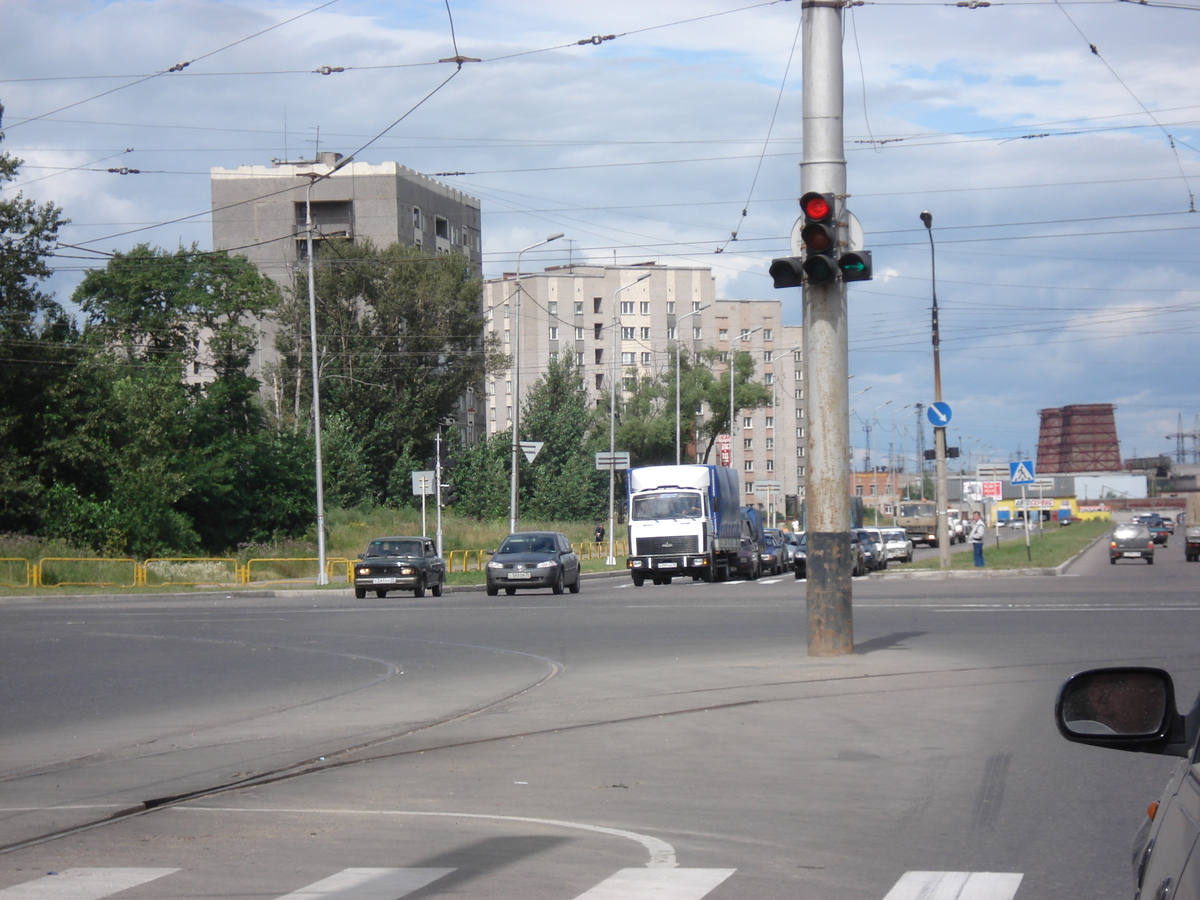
[668,565]
[518,576]
[1132,553]
[388,580]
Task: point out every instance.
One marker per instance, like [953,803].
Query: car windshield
[667,505]
[394,548]
[1129,531]
[527,543]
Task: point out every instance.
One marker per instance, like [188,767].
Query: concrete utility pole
[826,354]
[941,488]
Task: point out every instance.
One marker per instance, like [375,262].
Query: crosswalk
[395,883]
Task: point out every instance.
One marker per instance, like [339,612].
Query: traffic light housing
[855,265]
[819,237]
[787,272]
[449,494]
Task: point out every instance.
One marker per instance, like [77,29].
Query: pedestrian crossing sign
[1021,472]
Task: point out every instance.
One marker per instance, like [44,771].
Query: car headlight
[547,564]
[495,565]
[408,570]
[362,571]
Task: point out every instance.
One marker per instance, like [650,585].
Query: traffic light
[787,272]
[819,237]
[855,265]
[449,494]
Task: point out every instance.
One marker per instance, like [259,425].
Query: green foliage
[401,340]
[483,480]
[748,394]
[345,470]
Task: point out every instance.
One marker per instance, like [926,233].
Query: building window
[799,412]
[553,333]
[770,443]
[800,452]
[627,307]
[418,224]
[767,334]
[858,490]
[799,376]
[747,443]
[645,333]
[599,357]
[770,463]
[630,384]
[579,307]
[596,304]
[672,333]
[579,357]
[722,334]
[768,355]
[768,378]
[799,393]
[874,489]
[747,422]
[644,307]
[506,310]
[626,333]
[627,359]
[723,356]
[770,423]
[696,332]
[748,465]
[745,334]
[797,356]
[552,307]
[749,487]
[800,432]
[696,304]
[599,382]
[441,227]
[599,330]
[553,356]
[645,359]
[578,332]
[670,307]
[800,472]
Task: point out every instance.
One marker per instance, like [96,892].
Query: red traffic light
[817,207]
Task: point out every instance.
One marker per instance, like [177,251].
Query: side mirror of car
[362,556]
[1123,708]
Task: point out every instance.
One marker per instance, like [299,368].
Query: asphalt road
[671,742]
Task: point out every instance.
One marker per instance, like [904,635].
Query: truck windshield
[916,510]
[667,505]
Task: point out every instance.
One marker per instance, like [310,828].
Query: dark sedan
[1131,542]
[533,559]
[399,564]
[1159,532]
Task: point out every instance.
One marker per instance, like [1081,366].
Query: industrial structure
[1078,438]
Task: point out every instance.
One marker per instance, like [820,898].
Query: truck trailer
[683,520]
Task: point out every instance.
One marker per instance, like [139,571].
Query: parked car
[1133,708]
[800,556]
[791,541]
[874,549]
[1131,541]
[858,561]
[774,553]
[1159,532]
[898,545]
[399,564]
[533,559]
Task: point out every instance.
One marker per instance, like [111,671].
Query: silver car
[898,545]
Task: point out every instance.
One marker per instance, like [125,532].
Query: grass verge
[1047,549]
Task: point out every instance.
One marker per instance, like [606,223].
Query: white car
[898,544]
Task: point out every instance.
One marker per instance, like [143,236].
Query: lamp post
[513,503]
[939,433]
[612,419]
[678,437]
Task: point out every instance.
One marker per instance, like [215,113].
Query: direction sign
[993,490]
[617,460]
[767,487]
[423,482]
[1021,472]
[938,414]
[531,449]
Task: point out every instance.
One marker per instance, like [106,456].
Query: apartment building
[626,322]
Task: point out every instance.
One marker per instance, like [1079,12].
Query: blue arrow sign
[939,414]
[1021,472]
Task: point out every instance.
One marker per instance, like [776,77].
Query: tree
[748,394]
[400,338]
[36,347]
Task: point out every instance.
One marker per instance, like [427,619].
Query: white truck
[685,520]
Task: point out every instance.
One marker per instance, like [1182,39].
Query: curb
[1060,569]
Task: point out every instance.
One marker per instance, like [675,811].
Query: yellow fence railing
[200,571]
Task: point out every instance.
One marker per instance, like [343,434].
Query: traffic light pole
[827,492]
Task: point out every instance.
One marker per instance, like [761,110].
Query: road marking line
[368,884]
[657,884]
[82,884]
[956,886]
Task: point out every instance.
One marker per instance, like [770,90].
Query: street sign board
[938,414]
[424,482]
[531,449]
[1021,472]
[767,487]
[616,460]
[993,490]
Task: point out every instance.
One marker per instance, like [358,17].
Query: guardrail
[223,572]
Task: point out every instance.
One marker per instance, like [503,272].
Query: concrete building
[576,309]
[259,212]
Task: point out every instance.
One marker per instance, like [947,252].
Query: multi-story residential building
[260,212]
[618,326]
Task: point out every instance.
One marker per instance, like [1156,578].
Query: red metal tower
[1079,438]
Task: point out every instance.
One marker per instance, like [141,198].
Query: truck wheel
[1113,560]
[638,579]
[708,574]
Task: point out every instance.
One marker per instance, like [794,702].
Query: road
[672,742]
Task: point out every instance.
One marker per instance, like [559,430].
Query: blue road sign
[938,414]
[1021,472]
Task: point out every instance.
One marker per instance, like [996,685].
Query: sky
[1056,144]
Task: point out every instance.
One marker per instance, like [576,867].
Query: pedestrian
[599,533]
[978,532]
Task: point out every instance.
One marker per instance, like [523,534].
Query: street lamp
[678,438]
[939,433]
[516,395]
[612,418]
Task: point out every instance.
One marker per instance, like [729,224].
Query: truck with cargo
[918,518]
[1191,528]
[683,520]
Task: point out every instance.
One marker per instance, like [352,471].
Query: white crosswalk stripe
[82,884]
[367,884]
[956,886]
[657,884]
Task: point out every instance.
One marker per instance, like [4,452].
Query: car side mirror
[362,556]
[1122,708]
